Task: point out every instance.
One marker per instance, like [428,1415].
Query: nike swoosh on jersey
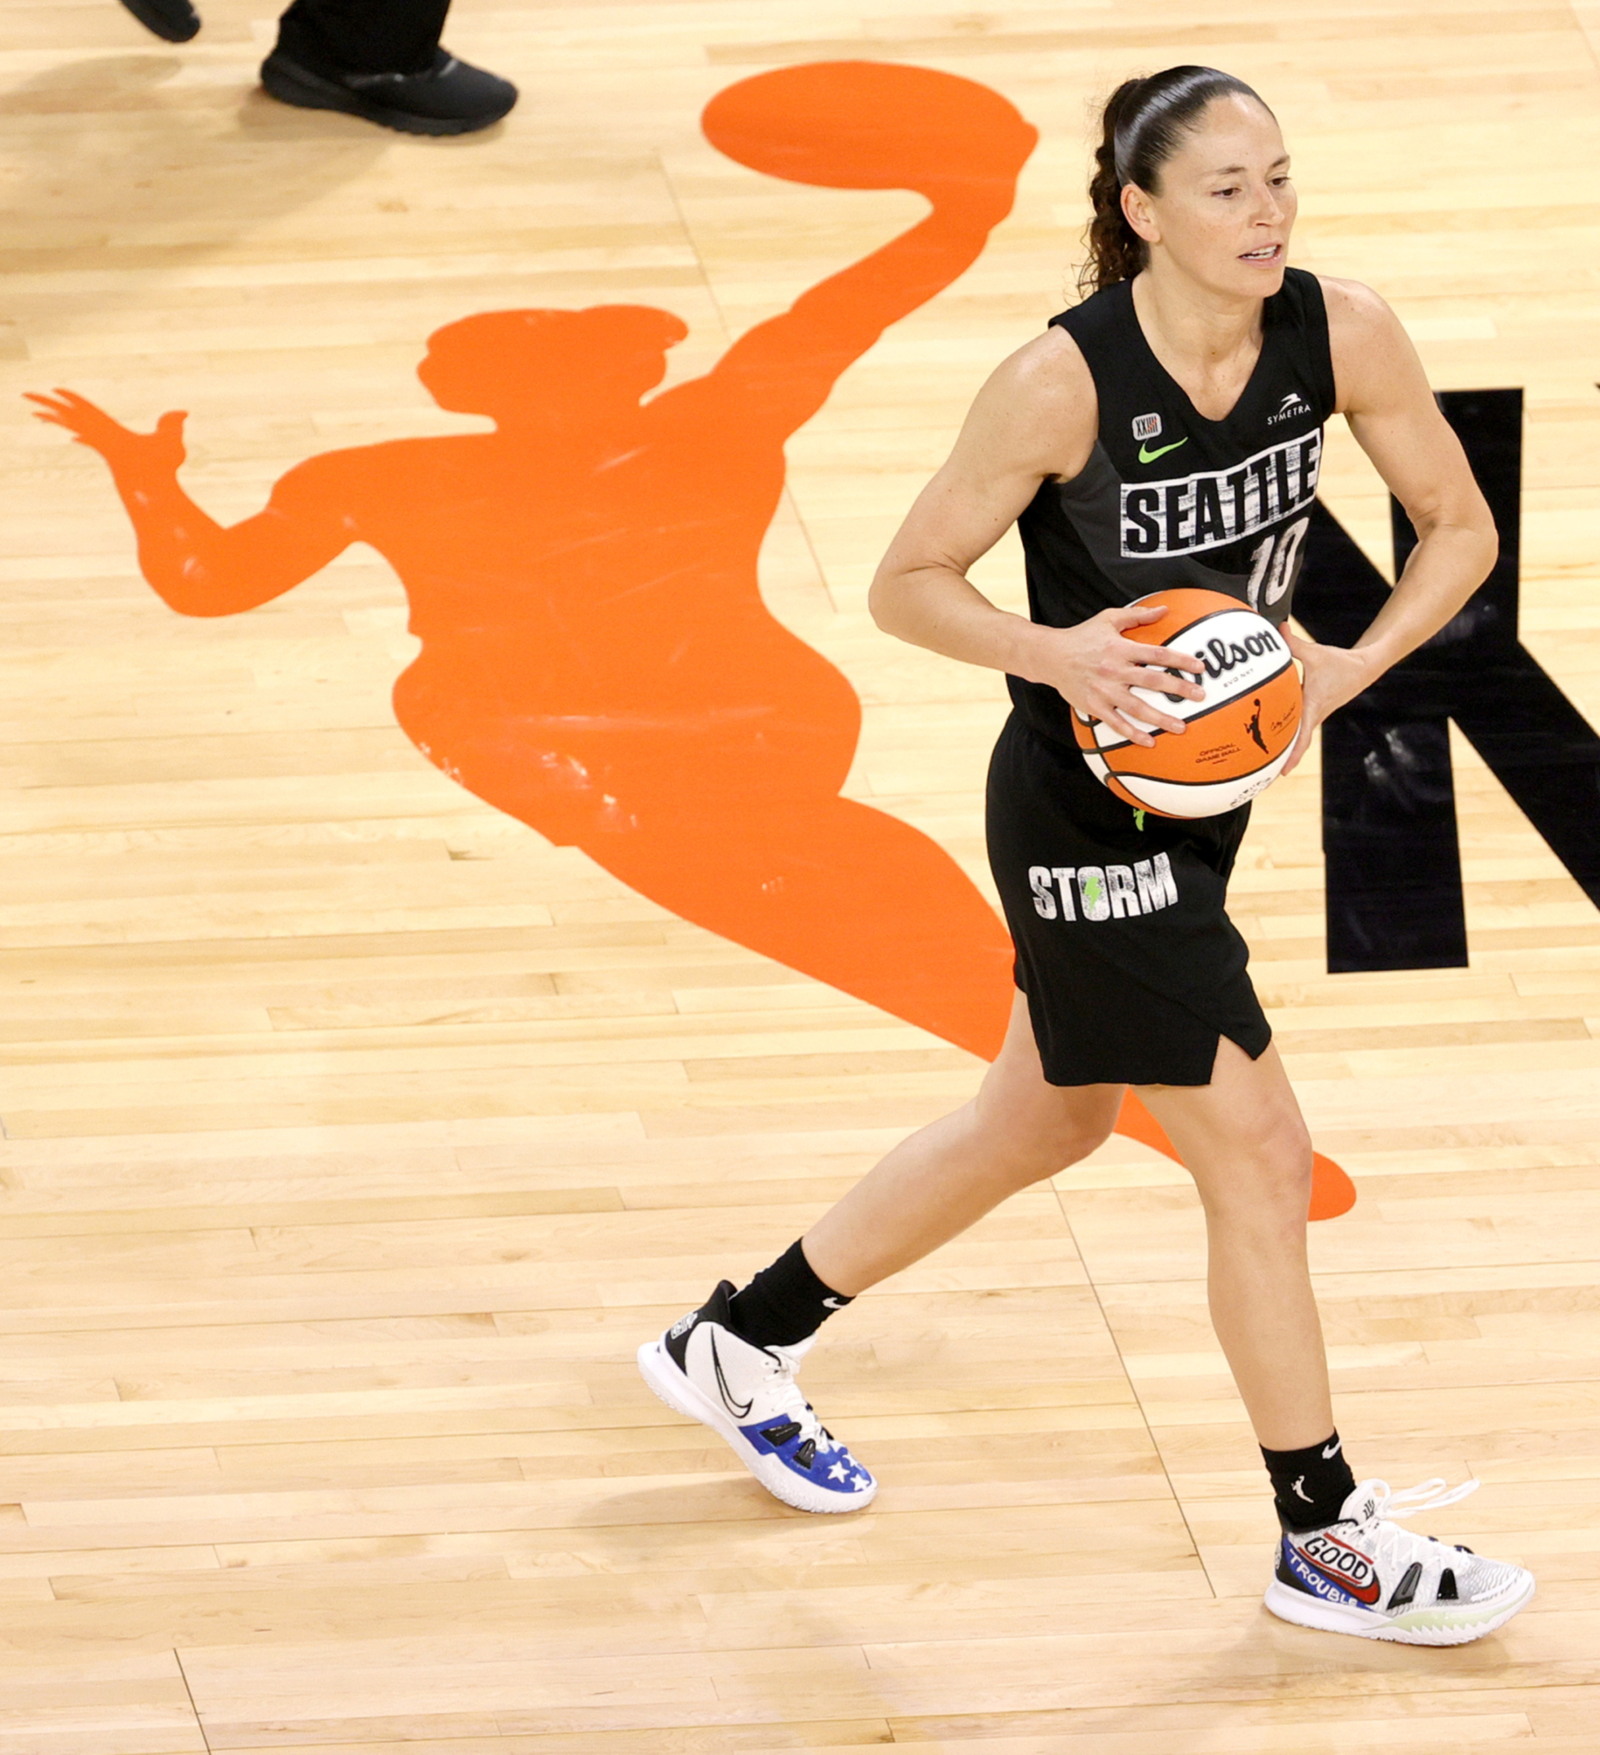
[722,1386]
[1146,455]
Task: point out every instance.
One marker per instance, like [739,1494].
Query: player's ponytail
[1116,252]
[1142,126]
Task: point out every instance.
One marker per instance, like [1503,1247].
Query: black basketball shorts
[1131,966]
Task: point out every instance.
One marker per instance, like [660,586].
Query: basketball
[1237,738]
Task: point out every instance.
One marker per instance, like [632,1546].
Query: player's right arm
[198,566]
[1035,419]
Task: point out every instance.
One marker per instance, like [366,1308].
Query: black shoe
[176,20]
[449,98]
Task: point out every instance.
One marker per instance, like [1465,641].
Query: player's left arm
[1383,393]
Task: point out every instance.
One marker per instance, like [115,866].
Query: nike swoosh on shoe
[738,1410]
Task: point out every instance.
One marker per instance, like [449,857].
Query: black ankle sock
[1310,1485]
[784,1303]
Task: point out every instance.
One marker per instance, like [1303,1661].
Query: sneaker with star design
[748,1396]
[1365,1575]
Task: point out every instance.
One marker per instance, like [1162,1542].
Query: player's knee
[1085,1135]
[1272,1182]
[1051,1142]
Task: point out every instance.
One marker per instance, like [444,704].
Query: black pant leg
[363,36]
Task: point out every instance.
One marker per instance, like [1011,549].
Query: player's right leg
[731,1363]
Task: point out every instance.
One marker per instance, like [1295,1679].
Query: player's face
[1226,205]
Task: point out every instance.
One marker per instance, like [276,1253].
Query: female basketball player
[1202,366]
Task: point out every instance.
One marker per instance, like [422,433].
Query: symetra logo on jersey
[1223,506]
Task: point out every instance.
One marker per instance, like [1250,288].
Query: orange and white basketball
[1236,740]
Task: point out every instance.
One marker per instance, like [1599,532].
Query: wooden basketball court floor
[354,1135]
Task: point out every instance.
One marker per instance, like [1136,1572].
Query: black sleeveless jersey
[1169,498]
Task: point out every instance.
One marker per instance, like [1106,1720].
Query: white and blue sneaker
[1365,1575]
[747,1395]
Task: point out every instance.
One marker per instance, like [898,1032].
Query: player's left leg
[1343,1564]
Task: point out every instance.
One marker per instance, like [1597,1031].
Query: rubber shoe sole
[670,1385]
[173,22]
[1435,1626]
[291,84]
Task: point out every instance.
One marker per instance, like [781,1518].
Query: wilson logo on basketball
[1223,506]
[1221,656]
[1344,1566]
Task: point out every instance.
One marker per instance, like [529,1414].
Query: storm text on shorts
[1102,892]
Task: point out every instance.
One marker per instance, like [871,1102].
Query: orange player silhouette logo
[596,657]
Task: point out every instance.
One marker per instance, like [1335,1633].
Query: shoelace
[805,1416]
[1393,1549]
[1428,1496]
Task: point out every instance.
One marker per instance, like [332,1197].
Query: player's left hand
[1331,676]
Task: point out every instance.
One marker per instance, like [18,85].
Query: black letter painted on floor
[1388,794]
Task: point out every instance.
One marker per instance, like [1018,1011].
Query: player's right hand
[1096,668]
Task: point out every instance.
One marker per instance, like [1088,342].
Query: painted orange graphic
[596,658]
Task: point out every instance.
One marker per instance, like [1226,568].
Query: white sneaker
[747,1395]
[1367,1576]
